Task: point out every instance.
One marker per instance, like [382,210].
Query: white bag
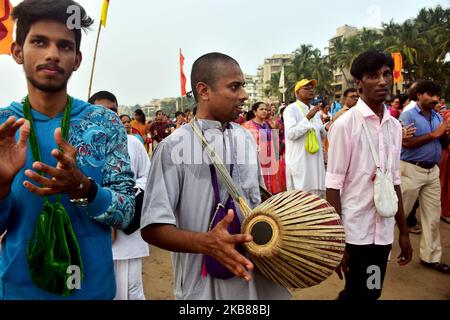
[384,194]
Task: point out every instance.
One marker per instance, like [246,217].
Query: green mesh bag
[53,247]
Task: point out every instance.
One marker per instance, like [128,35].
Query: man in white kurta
[128,250]
[304,171]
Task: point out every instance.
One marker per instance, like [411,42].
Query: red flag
[6,27]
[182,76]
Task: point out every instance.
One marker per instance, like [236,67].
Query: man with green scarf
[65,175]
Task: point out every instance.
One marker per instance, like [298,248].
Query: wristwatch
[84,202]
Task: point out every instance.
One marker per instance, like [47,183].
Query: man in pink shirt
[350,180]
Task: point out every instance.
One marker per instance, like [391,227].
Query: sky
[138,51]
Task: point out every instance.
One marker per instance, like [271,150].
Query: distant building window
[338,78]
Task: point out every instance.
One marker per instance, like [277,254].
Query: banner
[398,65]
[6,27]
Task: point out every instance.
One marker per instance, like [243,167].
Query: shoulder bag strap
[303,111]
[372,148]
[389,158]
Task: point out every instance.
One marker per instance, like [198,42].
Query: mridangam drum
[298,239]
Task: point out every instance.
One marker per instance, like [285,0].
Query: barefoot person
[86,182]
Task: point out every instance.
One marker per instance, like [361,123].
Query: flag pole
[182,104]
[95,58]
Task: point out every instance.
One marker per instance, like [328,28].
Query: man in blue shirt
[88,179]
[420,172]
[336,106]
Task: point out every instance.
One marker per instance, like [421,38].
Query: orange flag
[182,76]
[398,65]
[6,27]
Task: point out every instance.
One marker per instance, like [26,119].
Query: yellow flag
[104,12]
[6,27]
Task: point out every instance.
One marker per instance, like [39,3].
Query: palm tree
[301,62]
[424,43]
[435,23]
[344,51]
[272,86]
[407,39]
[321,71]
[369,39]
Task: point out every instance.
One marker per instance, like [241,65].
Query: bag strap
[303,111]
[389,161]
[215,182]
[372,148]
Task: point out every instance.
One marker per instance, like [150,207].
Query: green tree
[423,41]
[321,71]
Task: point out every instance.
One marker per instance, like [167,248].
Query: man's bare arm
[405,245]
[334,198]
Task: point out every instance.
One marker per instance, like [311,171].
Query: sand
[411,282]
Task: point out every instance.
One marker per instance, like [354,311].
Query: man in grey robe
[179,196]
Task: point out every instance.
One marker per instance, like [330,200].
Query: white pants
[129,279]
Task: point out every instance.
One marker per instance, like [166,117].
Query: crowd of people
[75,175]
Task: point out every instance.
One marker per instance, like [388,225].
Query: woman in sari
[266,141]
[276,123]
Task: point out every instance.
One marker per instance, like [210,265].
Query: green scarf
[54,246]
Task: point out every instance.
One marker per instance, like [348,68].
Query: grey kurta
[179,192]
